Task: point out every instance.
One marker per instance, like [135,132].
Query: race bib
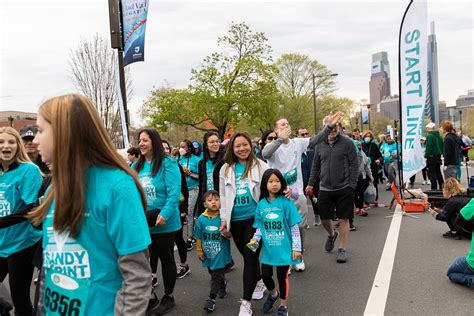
[273,227]
[242,196]
[211,241]
[291,176]
[5,208]
[64,295]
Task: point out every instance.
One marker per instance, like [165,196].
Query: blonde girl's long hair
[452,187]
[80,140]
[20,156]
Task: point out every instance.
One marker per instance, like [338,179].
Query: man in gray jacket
[337,165]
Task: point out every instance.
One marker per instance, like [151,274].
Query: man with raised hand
[285,155]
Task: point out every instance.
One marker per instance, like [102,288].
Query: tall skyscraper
[432,95]
[379,85]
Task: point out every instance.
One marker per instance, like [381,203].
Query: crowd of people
[96,226]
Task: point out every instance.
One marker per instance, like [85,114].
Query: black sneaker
[153,302]
[210,305]
[224,289]
[268,305]
[5,307]
[189,245]
[341,255]
[352,228]
[181,271]
[166,305]
[329,246]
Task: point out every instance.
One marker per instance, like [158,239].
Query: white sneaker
[424,183]
[317,220]
[259,290]
[428,182]
[245,309]
[300,267]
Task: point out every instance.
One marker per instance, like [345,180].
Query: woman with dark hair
[189,161]
[183,267]
[267,137]
[160,177]
[209,167]
[372,151]
[239,188]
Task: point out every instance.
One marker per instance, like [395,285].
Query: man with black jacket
[451,150]
[337,164]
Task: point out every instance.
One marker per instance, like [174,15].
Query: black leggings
[19,268]
[362,185]
[282,276]
[162,247]
[242,232]
[181,244]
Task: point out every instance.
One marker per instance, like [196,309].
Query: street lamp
[460,120]
[314,96]
[11,119]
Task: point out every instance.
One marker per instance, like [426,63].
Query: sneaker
[362,212]
[341,255]
[181,271]
[153,302]
[282,311]
[428,182]
[189,245]
[452,235]
[300,267]
[357,211]
[424,182]
[259,290]
[352,228]
[268,305]
[5,307]
[166,304]
[329,246]
[317,220]
[245,309]
[210,305]
[223,290]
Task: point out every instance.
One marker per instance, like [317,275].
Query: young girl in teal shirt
[276,221]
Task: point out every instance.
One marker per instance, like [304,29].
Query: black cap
[28,131]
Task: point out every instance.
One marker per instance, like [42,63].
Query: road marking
[378,295]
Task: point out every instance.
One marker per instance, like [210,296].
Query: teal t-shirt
[191,163]
[82,274]
[244,204]
[162,192]
[209,172]
[18,187]
[468,213]
[275,219]
[387,150]
[216,248]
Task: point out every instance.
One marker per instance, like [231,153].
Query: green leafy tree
[232,85]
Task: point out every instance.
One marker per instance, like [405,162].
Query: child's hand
[253,241]
[160,221]
[296,255]
[202,257]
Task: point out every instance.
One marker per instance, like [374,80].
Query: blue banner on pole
[134,16]
[365,116]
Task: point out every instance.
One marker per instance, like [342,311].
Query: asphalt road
[418,284]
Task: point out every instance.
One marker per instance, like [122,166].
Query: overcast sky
[37,36]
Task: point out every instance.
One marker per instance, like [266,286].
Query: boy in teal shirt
[213,248]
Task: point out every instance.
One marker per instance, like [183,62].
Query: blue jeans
[460,272]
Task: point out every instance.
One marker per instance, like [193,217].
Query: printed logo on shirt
[5,208]
[210,181]
[243,196]
[148,187]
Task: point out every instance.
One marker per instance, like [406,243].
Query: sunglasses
[271,138]
[304,134]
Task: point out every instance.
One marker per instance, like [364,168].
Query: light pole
[314,97]
[460,120]
[11,119]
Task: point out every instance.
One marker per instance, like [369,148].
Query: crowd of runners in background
[96,225]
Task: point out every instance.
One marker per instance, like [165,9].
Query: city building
[464,101]
[390,107]
[432,99]
[379,84]
[17,119]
